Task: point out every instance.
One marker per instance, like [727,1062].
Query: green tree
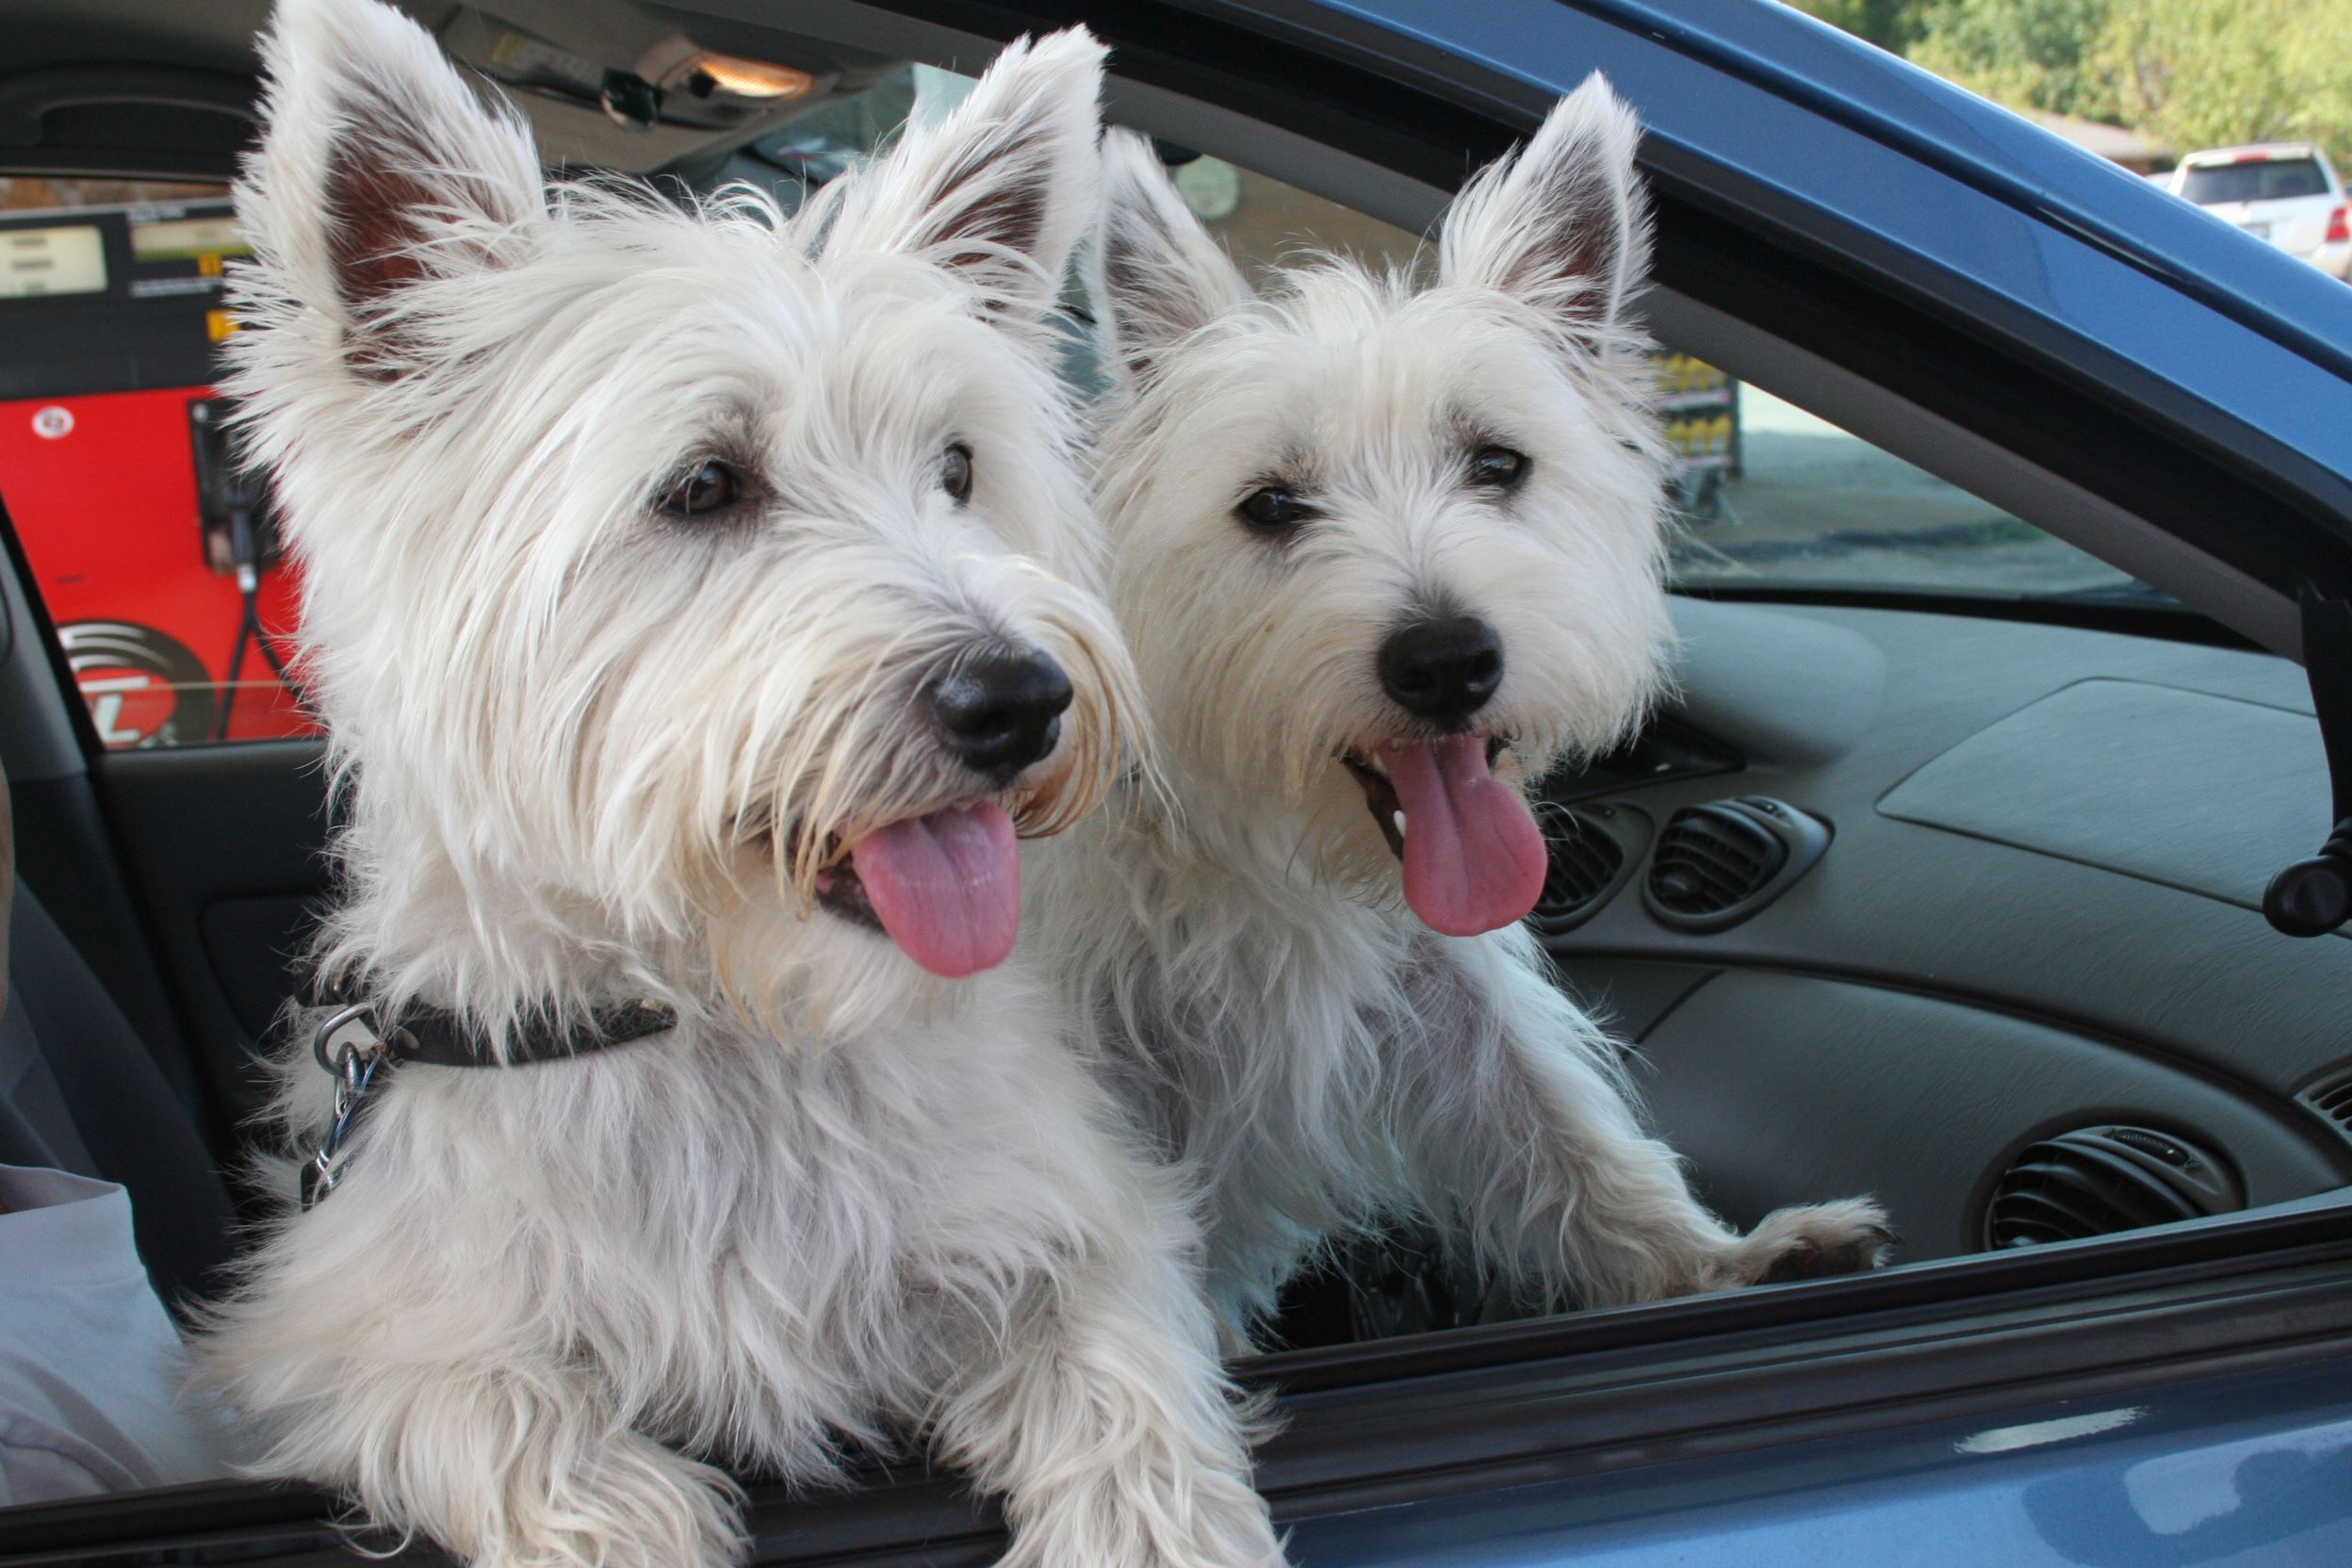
[1892,24]
[2027,54]
[2209,72]
[2190,72]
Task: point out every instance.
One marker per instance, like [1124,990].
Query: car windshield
[2269,180]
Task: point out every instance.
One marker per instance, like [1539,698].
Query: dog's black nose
[1442,670]
[1001,710]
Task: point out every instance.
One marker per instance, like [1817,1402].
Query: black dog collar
[429,1034]
[440,1038]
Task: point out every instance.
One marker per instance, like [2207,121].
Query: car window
[2255,180]
[831,138]
[1773,496]
[1769,495]
[156,556]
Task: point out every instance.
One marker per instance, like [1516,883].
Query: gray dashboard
[2038,912]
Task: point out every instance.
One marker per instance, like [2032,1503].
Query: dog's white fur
[1308,1052]
[843,1200]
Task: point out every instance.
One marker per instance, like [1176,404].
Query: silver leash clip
[353,1069]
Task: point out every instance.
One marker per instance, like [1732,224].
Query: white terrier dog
[698,602]
[1397,547]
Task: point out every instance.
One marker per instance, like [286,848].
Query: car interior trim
[42,736]
[2211,831]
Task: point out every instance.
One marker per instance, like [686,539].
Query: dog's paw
[1221,1525]
[1154,1506]
[1850,1236]
[629,1503]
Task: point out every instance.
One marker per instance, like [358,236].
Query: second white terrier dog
[1376,545]
[698,602]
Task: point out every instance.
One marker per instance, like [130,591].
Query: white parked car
[2282,191]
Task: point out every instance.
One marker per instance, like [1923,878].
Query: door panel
[226,845]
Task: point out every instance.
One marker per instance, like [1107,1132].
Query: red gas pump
[151,550]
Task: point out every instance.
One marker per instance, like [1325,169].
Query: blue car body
[2250,1470]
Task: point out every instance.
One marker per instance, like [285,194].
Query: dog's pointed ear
[1002,189]
[378,168]
[1564,223]
[1158,274]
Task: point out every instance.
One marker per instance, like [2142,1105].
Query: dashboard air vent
[1593,850]
[2097,1181]
[1717,864]
[2330,1099]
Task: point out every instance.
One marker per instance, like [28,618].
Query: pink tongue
[947,887]
[1473,857]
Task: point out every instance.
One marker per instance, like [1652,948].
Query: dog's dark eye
[956,472]
[702,489]
[1497,467]
[1272,509]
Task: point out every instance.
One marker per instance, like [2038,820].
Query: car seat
[79,1092]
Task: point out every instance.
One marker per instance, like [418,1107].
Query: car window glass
[832,137]
[1769,494]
